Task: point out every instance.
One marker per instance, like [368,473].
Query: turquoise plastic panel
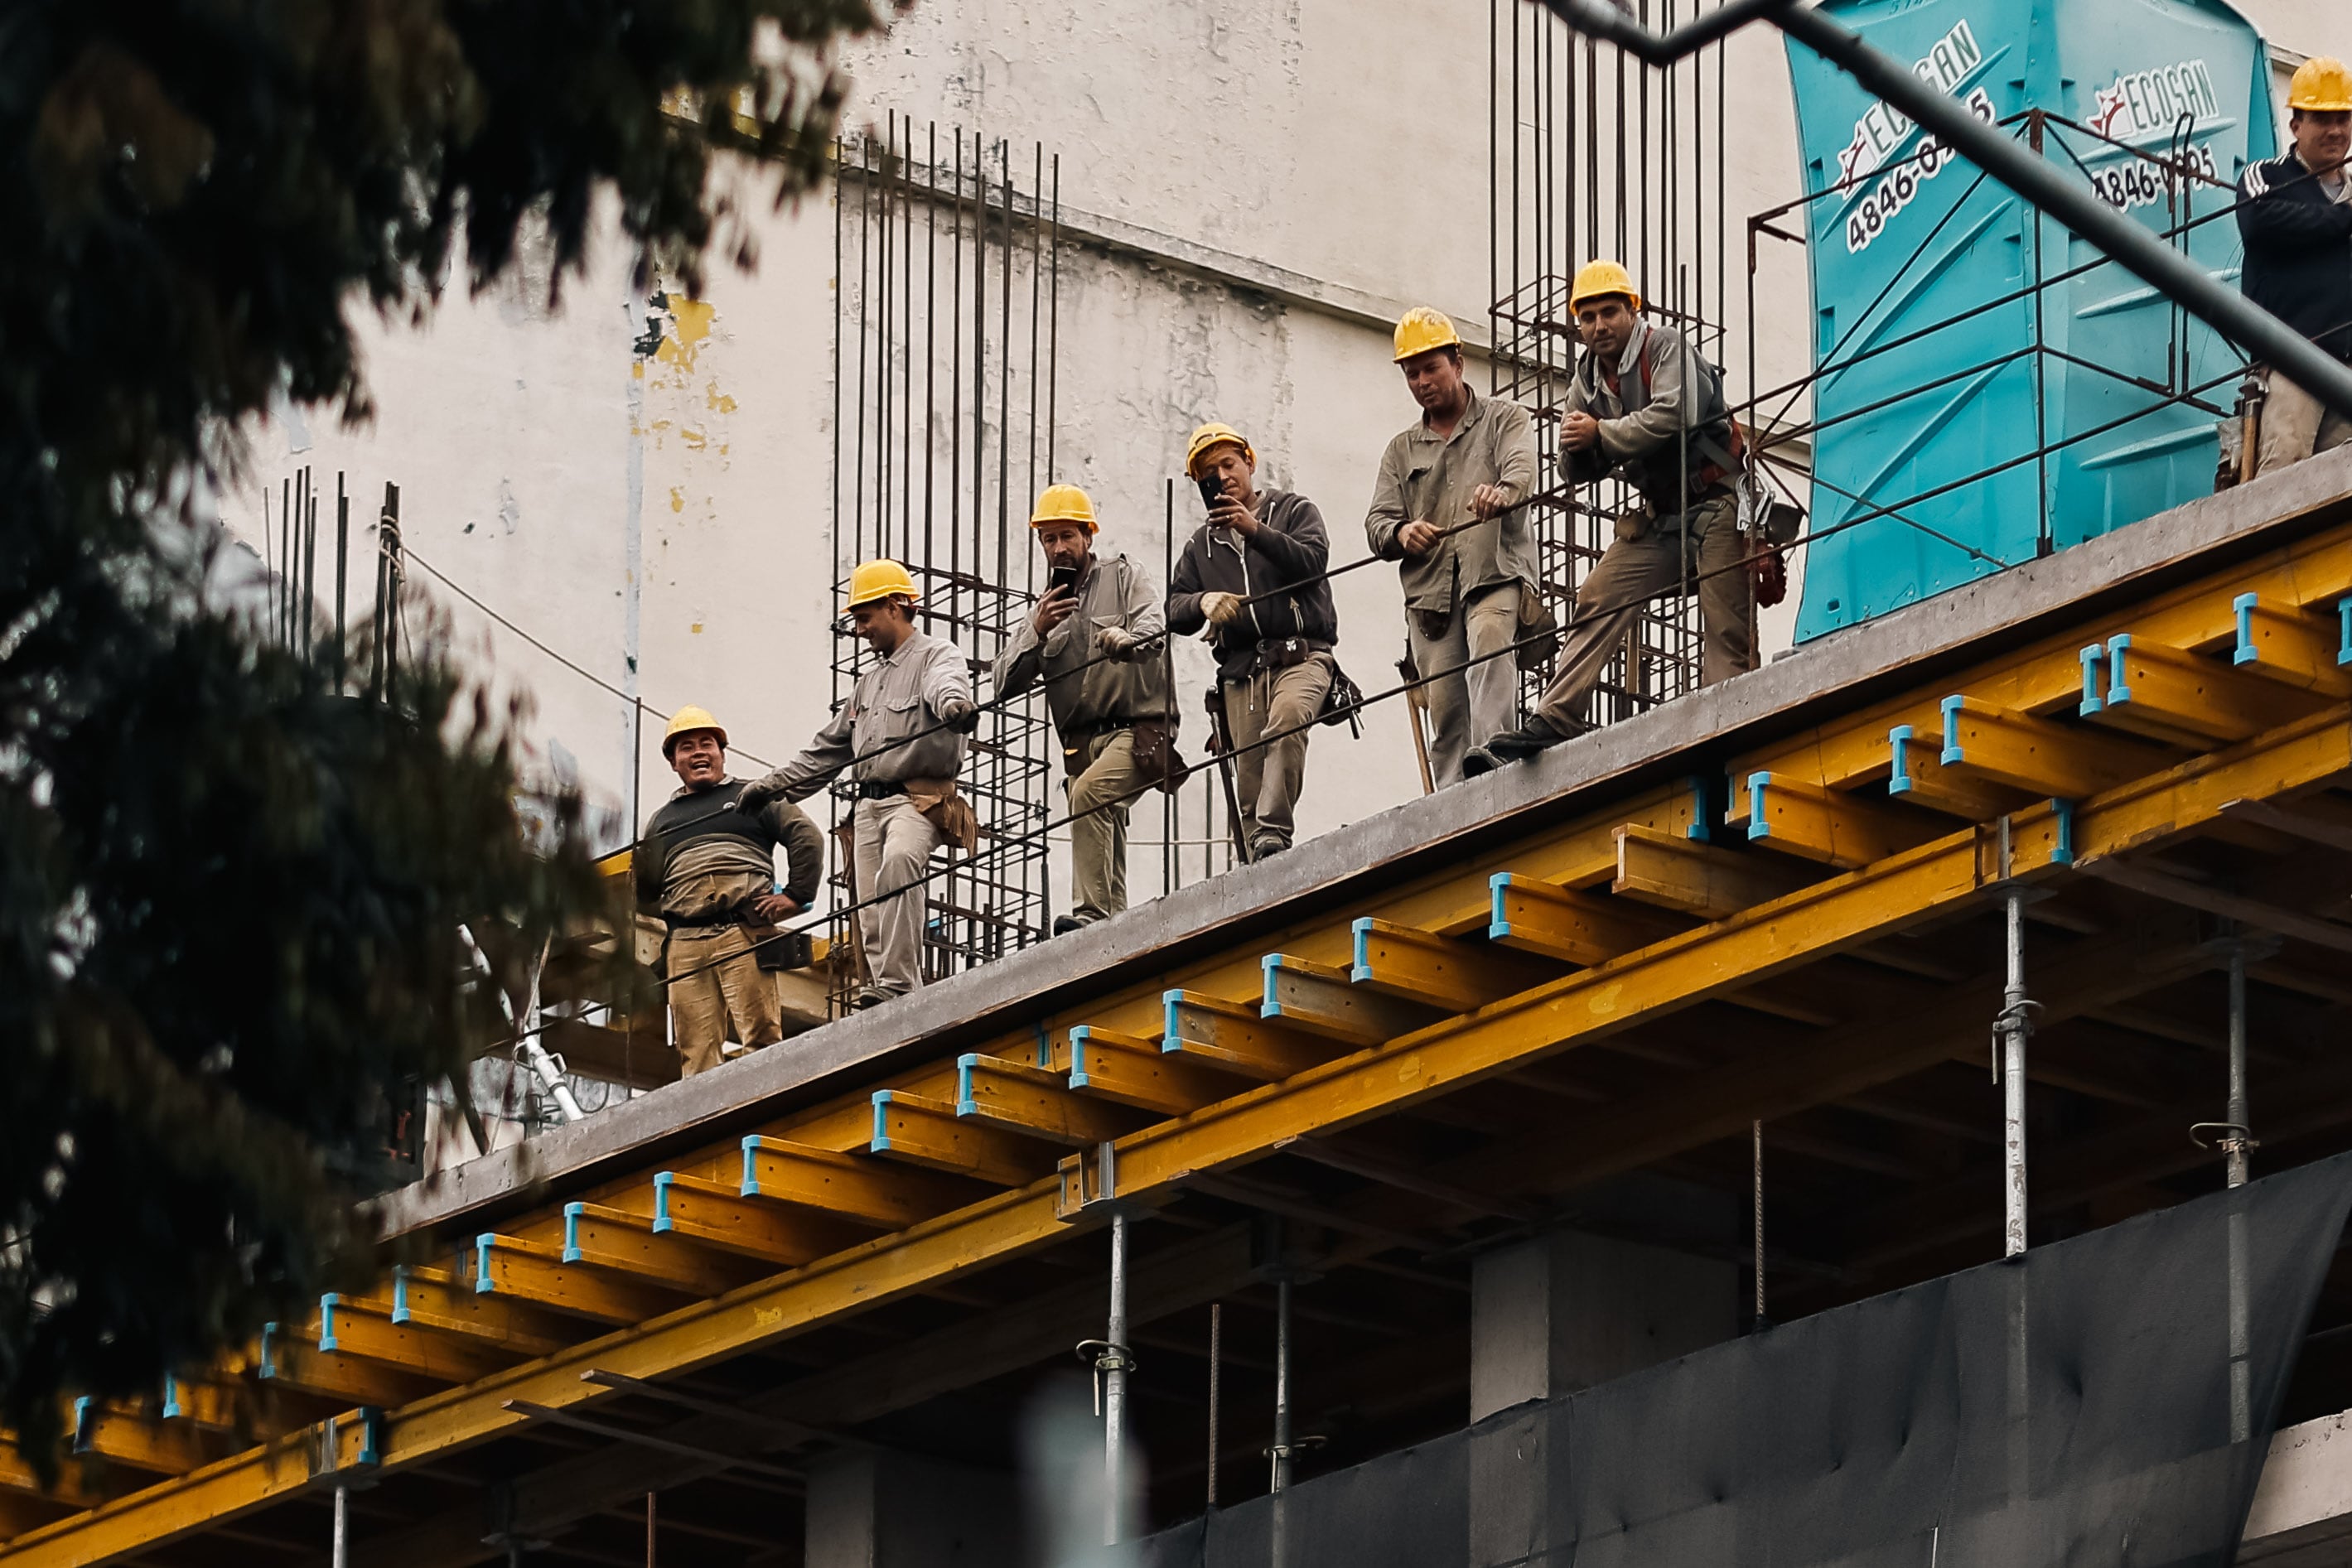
[1929,396]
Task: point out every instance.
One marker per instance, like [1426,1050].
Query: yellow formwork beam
[1813,923]
[1036,1102]
[1706,881]
[2046,677]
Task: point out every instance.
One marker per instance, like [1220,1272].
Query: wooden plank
[716,1214]
[73,1488]
[1450,975]
[1128,1070]
[1237,1033]
[599,1236]
[1703,880]
[2180,699]
[364,1330]
[128,1438]
[2283,644]
[926,1131]
[1035,1102]
[1319,998]
[535,1271]
[1803,818]
[777,1170]
[1580,928]
[2001,745]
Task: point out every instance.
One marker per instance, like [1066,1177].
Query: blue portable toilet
[1930,398]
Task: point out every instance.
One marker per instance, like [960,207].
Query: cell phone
[1062,576]
[1212,491]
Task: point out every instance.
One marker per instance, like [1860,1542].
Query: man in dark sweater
[709,870]
[2295,215]
[1252,575]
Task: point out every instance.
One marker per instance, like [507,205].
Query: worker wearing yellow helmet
[1643,408]
[901,738]
[2295,214]
[1449,506]
[1096,639]
[708,873]
[1251,581]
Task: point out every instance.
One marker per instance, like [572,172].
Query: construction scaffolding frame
[943,428]
[1590,154]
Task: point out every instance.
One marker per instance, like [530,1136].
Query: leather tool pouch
[1281,652]
[1343,703]
[1537,636]
[1156,757]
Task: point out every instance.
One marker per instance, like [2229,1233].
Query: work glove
[1220,608]
[1116,642]
[754,798]
[960,715]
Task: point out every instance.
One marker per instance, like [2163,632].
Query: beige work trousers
[721,994]
[894,841]
[1644,561]
[1099,794]
[1267,778]
[2294,426]
[1468,706]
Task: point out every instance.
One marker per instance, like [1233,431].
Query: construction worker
[1253,576]
[1097,641]
[1643,407]
[902,736]
[710,872]
[2295,214]
[1449,505]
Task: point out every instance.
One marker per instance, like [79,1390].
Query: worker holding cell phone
[1252,576]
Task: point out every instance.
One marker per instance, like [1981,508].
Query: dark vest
[710,814]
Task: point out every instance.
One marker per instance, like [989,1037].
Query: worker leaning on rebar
[1097,641]
[901,737]
[708,870]
[1449,504]
[1251,579]
[1645,407]
[2295,215]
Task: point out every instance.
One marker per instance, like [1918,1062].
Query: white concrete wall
[664,521]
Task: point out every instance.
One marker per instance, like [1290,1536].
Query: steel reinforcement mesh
[2101,1400]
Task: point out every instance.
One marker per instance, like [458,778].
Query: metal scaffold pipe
[2240,1130]
[1114,1367]
[342,1551]
[1280,1452]
[2016,1026]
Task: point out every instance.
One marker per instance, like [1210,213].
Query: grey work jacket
[1645,415]
[1086,691]
[895,698]
[1423,478]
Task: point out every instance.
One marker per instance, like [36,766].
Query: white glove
[1220,608]
[1116,642]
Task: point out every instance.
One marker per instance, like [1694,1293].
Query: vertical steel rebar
[1217,1388]
[343,569]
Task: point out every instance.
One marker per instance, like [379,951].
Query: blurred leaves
[229,893]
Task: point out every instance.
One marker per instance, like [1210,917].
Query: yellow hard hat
[1596,278]
[686,721]
[1063,503]
[1420,329]
[880,580]
[1213,434]
[2320,83]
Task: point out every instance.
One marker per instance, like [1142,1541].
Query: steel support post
[1757,1129]
[2241,1129]
[343,1553]
[1216,1380]
[2016,1026]
[1279,1483]
[1113,1365]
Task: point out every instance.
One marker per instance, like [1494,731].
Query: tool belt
[880,789]
[1281,652]
[1156,757]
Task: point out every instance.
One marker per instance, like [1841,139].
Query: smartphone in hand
[1213,492]
[1066,577]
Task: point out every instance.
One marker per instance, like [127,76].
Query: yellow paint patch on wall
[718,402]
[676,499]
[696,629]
[690,326]
[695,439]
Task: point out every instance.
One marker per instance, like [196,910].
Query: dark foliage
[229,894]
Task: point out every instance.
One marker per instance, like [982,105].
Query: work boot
[874,997]
[1065,923]
[1268,846]
[1518,745]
